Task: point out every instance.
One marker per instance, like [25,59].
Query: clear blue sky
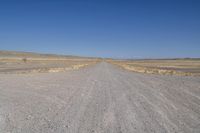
[104,28]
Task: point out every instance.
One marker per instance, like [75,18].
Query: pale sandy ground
[99,99]
[10,66]
[181,67]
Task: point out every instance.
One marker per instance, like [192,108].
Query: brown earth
[187,67]
[23,62]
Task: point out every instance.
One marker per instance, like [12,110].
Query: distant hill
[18,54]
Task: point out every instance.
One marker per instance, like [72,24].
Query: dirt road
[99,99]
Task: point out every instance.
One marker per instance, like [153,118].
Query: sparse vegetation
[187,67]
[24,60]
[13,62]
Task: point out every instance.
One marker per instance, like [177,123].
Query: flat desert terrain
[24,62]
[99,98]
[186,67]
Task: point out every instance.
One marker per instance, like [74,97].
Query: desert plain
[67,94]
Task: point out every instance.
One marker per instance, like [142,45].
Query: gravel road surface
[99,99]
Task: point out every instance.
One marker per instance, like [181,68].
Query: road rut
[99,99]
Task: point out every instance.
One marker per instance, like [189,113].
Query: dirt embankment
[164,67]
[42,65]
[26,62]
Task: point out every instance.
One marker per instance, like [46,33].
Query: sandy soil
[42,65]
[99,99]
[27,62]
[184,67]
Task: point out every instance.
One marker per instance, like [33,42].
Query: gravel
[99,99]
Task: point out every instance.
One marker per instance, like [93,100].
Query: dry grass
[16,62]
[186,67]
[41,65]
